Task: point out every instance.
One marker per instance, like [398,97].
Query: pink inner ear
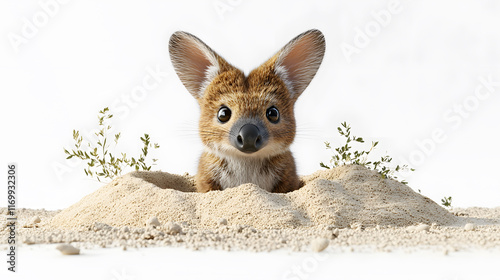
[301,59]
[299,56]
[195,63]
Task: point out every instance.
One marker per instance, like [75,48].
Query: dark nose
[249,139]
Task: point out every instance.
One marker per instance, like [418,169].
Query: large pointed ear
[298,61]
[195,63]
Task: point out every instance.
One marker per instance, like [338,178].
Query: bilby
[247,123]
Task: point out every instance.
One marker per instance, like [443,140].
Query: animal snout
[249,139]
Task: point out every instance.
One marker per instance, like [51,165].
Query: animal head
[247,115]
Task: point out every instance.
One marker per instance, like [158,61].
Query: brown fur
[247,97]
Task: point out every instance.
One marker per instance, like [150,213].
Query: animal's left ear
[298,61]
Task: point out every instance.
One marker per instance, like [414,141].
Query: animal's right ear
[194,62]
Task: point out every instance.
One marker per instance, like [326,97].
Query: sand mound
[342,197]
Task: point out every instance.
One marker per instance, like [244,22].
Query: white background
[45,262]
[401,85]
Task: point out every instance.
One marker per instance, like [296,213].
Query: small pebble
[410,228]
[470,227]
[172,228]
[28,241]
[147,236]
[153,221]
[67,249]
[422,227]
[36,220]
[357,226]
[319,244]
[223,221]
[101,226]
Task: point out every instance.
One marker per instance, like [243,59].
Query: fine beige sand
[339,197]
[345,207]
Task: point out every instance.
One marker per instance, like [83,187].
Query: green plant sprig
[101,163]
[446,202]
[343,155]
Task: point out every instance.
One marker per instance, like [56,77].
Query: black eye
[273,115]
[224,114]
